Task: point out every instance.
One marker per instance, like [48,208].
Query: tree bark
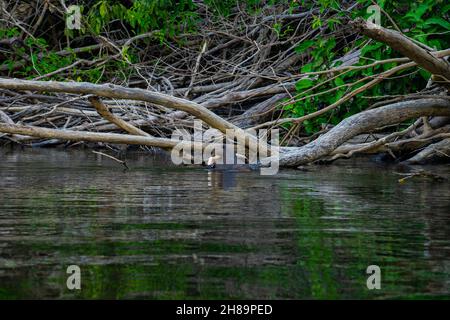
[439,149]
[259,113]
[402,44]
[119,92]
[102,110]
[71,135]
[365,121]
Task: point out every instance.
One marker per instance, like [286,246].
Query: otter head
[212,162]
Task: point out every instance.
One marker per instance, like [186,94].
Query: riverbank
[321,80]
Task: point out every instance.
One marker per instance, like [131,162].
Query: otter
[212,161]
[212,164]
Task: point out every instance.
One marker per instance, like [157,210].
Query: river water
[158,231]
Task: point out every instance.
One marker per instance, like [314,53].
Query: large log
[71,135]
[439,149]
[362,122]
[119,92]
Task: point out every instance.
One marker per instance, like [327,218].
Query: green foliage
[9,33]
[41,60]
[225,7]
[425,21]
[168,16]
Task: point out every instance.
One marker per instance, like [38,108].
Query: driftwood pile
[230,76]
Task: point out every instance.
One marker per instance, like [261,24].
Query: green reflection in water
[295,240]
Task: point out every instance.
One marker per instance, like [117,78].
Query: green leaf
[103,9]
[304,45]
[339,82]
[425,74]
[316,22]
[307,68]
[438,21]
[318,61]
[417,13]
[304,84]
[332,22]
[371,48]
[339,94]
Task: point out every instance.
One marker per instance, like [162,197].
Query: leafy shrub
[425,21]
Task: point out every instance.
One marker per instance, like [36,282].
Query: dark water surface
[164,232]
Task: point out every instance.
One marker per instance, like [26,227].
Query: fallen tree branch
[375,145]
[365,121]
[339,102]
[119,92]
[259,112]
[239,96]
[71,135]
[408,48]
[439,149]
[102,110]
[113,158]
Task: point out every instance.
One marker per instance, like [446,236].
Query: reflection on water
[165,232]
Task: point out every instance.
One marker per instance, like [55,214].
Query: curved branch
[439,149]
[402,44]
[102,110]
[71,135]
[119,92]
[365,121]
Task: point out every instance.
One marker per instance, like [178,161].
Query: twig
[113,158]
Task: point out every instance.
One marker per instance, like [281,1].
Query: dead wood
[408,48]
[365,121]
